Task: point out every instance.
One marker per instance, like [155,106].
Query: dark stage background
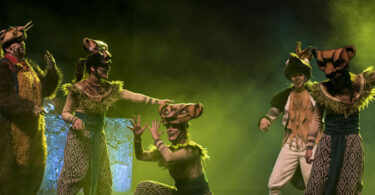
[229,55]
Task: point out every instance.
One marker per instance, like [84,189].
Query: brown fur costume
[22,141]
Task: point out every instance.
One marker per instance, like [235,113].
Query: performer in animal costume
[297,105]
[338,163]
[182,158]
[23,86]
[86,163]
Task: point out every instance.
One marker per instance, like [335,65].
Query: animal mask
[97,47]
[179,113]
[14,34]
[331,61]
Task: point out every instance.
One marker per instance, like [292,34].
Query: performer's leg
[319,172]
[76,164]
[35,171]
[153,188]
[305,168]
[350,179]
[105,176]
[7,163]
[283,170]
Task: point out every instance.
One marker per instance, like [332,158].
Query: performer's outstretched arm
[140,98]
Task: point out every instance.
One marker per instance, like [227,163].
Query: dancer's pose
[338,163]
[23,85]
[297,105]
[182,158]
[86,163]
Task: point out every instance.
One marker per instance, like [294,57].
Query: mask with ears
[334,60]
[97,47]
[179,113]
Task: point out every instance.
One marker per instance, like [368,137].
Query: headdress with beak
[179,113]
[299,62]
[14,34]
[97,47]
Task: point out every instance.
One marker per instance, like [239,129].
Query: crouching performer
[86,162]
[296,104]
[182,158]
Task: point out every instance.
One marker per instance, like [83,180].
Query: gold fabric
[30,88]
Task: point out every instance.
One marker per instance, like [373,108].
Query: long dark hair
[86,63]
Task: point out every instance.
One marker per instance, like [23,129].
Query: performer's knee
[274,184]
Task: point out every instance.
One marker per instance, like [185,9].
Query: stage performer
[183,158]
[338,163]
[297,105]
[86,162]
[23,86]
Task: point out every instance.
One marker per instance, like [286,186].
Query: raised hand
[136,126]
[154,130]
[50,60]
[78,125]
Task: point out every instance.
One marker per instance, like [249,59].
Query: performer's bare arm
[265,121]
[176,156]
[67,113]
[138,130]
[140,98]
[315,126]
[140,154]
[68,108]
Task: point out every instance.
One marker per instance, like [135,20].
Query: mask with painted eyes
[99,48]
[334,60]
[179,113]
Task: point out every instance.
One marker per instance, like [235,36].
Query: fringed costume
[197,185]
[23,143]
[86,162]
[297,107]
[183,161]
[87,148]
[338,164]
